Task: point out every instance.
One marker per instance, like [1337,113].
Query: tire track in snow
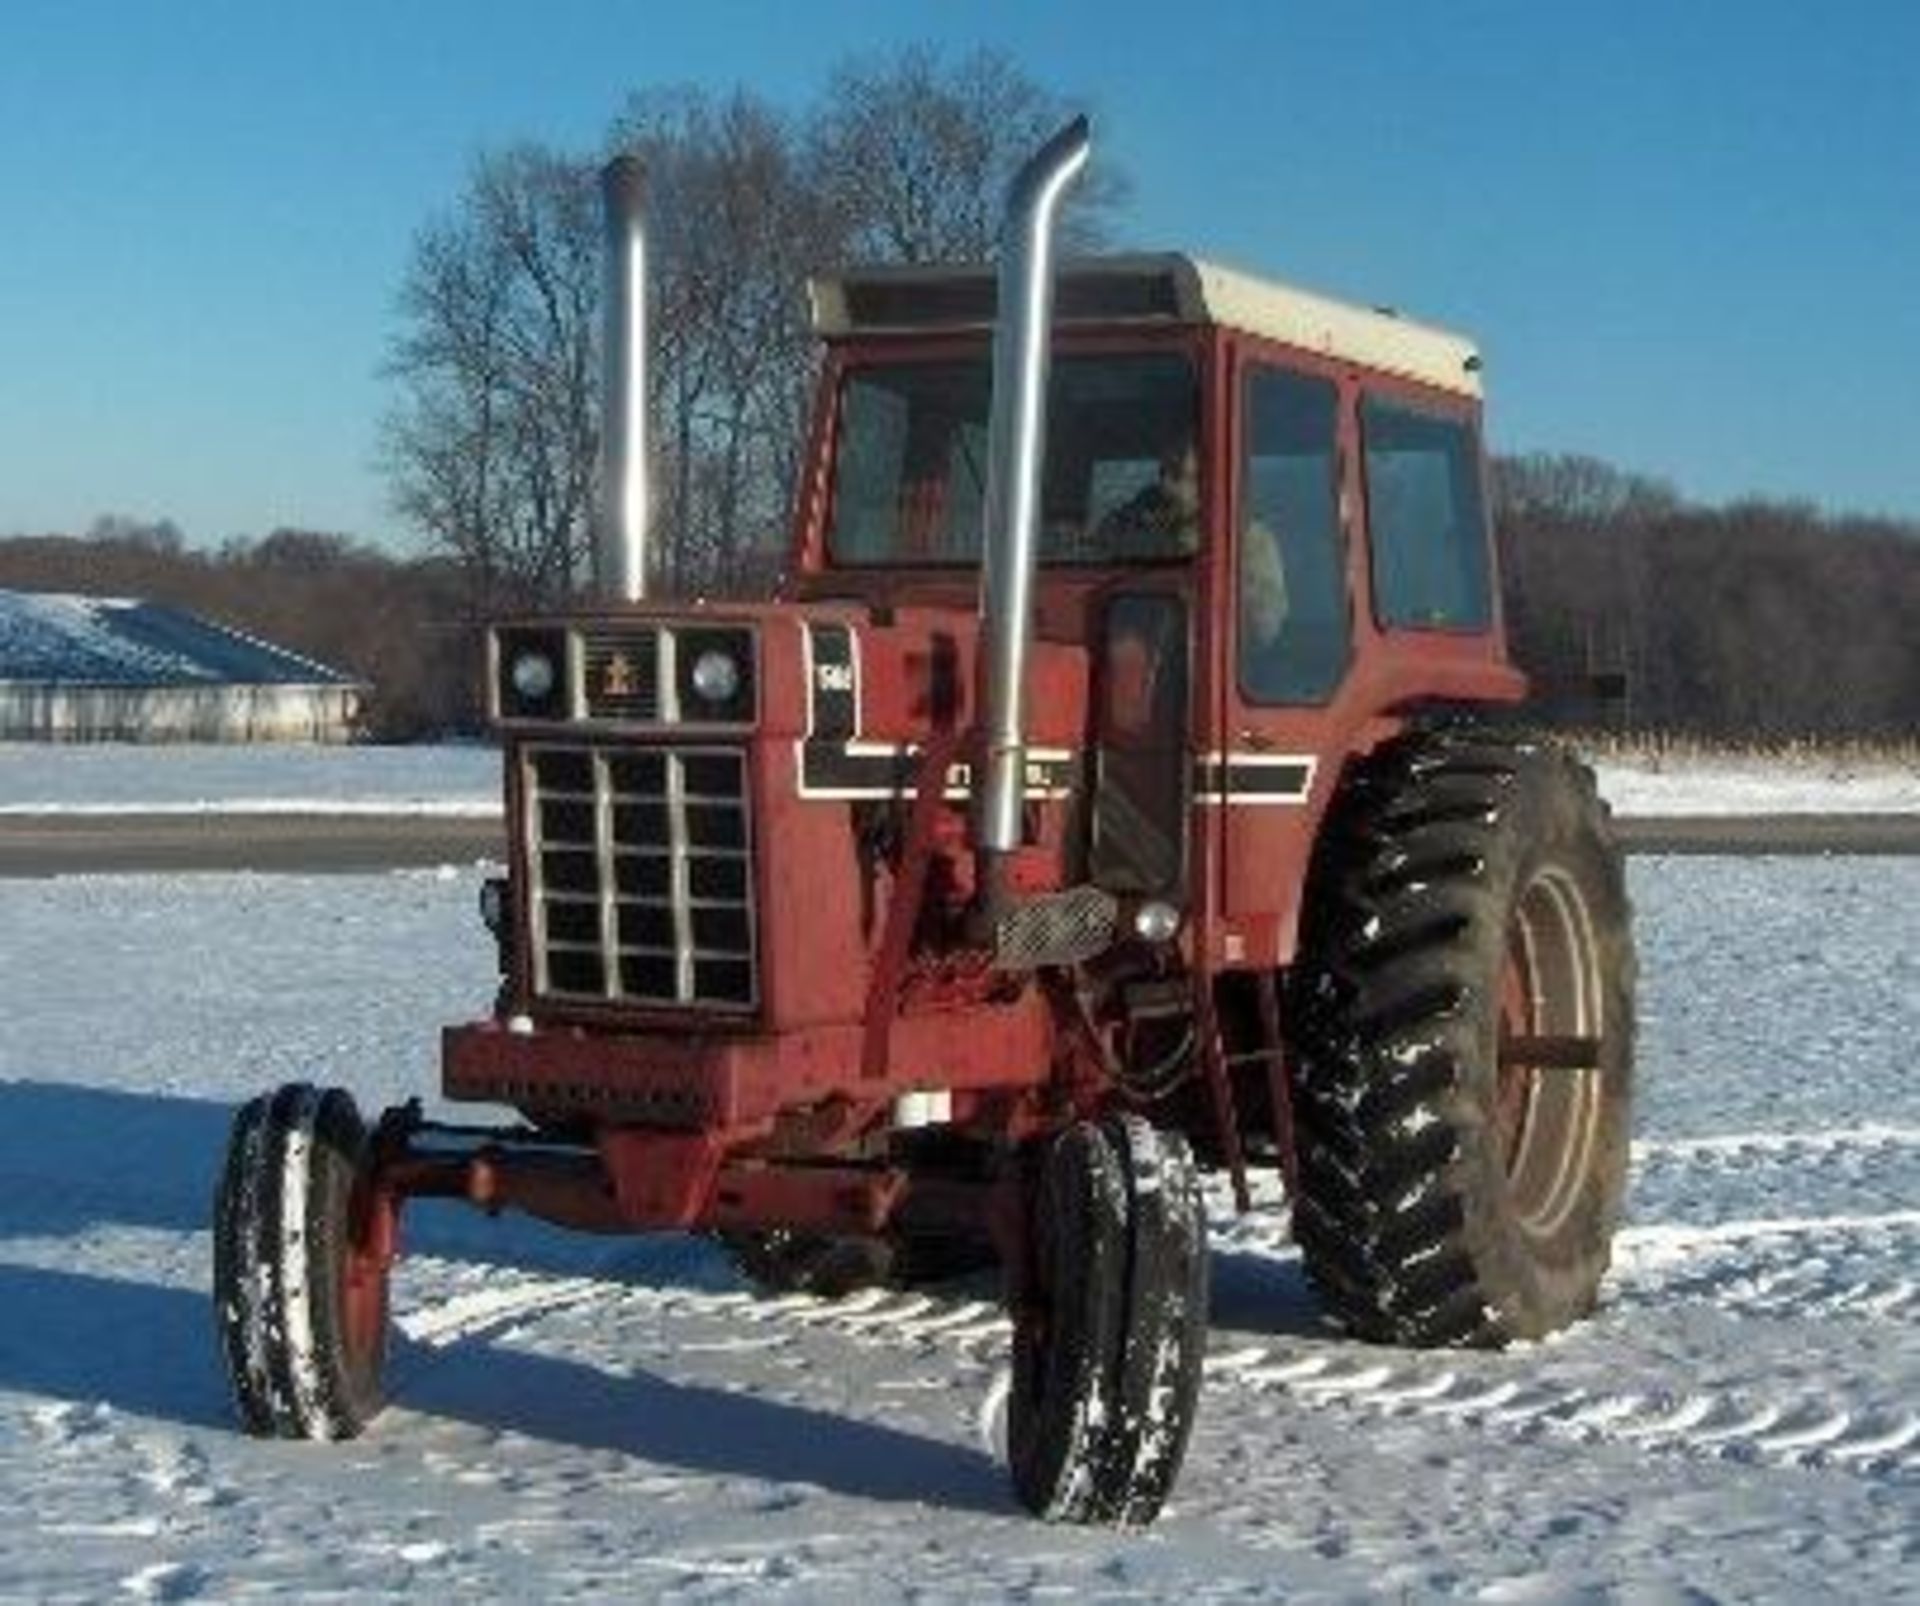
[1873,1439]
[1775,1145]
[1748,1266]
[1852,1264]
[1850,1270]
[1854,1171]
[458,1317]
[1869,1438]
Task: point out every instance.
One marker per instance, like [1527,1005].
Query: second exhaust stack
[620,539]
[1010,510]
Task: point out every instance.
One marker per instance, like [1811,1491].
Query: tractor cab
[1261,525]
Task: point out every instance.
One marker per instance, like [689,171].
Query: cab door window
[1295,627]
[1425,519]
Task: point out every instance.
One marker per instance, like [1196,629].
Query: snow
[1756,786]
[111,778]
[577,1415]
[122,641]
[464,781]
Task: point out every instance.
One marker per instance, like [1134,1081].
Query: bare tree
[914,152]
[158,535]
[490,448]
[736,228]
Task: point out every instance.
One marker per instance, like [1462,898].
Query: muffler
[1010,512]
[620,536]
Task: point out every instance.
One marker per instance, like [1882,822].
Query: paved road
[68,844]
[78,844]
[1775,833]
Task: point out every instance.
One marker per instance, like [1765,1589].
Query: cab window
[1295,628]
[1120,483]
[1425,518]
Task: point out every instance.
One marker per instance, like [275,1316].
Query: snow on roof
[59,637]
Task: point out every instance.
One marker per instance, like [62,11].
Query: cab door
[1289,625]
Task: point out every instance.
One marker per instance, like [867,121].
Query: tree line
[1628,608]
[1754,621]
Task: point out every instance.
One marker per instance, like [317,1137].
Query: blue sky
[1687,235]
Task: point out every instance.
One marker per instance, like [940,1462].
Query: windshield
[1120,483]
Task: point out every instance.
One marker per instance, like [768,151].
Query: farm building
[105,669]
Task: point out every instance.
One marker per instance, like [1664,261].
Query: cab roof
[1165,287]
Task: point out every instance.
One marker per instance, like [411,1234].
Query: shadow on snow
[73,1158]
[151,1351]
[76,1158]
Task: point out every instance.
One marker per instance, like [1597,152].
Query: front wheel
[1107,1354]
[1463,1026]
[300,1275]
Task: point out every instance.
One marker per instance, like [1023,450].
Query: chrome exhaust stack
[620,536]
[1010,508]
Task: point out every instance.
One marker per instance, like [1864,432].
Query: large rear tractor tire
[1463,1021]
[1107,1356]
[299,1282]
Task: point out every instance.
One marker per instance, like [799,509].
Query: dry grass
[1654,750]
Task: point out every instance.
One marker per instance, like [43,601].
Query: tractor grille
[641,876]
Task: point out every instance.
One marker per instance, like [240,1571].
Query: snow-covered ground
[1755,786]
[459,781]
[582,1416]
[109,778]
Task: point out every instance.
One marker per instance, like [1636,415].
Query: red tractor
[1097,802]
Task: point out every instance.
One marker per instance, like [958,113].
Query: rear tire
[1467,894]
[1107,1363]
[300,1293]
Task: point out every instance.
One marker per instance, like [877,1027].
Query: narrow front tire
[1108,1350]
[300,1275]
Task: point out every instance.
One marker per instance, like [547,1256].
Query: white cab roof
[1165,287]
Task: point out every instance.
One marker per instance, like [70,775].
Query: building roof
[58,638]
[1167,287]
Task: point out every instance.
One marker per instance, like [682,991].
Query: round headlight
[1155,921]
[716,677]
[532,675]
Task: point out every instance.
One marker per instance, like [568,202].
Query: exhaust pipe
[620,544]
[1010,510]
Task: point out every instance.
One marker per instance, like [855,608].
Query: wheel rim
[1545,1116]
[364,1282]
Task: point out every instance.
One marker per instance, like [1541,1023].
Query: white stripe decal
[1253,780]
[898,756]
[1243,789]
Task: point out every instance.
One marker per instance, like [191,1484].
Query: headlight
[532,675]
[1156,921]
[713,671]
[716,676]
